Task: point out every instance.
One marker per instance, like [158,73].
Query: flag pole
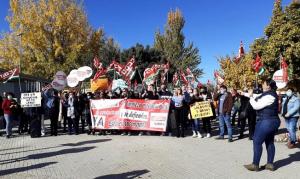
[20,51]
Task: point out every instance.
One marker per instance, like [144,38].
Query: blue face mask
[222,91]
[289,93]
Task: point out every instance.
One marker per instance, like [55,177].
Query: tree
[172,44]
[238,75]
[53,33]
[282,38]
[109,51]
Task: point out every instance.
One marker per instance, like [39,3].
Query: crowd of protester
[232,110]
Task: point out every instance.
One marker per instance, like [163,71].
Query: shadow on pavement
[13,148]
[284,162]
[127,175]
[23,151]
[23,169]
[47,154]
[86,142]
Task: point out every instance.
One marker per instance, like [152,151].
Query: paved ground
[115,156]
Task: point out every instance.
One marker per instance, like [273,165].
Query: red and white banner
[9,74]
[130,114]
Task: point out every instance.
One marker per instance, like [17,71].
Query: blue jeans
[265,131]
[291,126]
[9,121]
[196,125]
[225,119]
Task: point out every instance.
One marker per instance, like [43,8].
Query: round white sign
[60,75]
[278,78]
[73,72]
[58,84]
[72,80]
[87,71]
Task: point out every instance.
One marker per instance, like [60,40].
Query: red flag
[96,62]
[135,84]
[284,67]
[129,70]
[199,85]
[183,77]
[216,74]
[190,75]
[164,70]
[100,69]
[241,53]
[208,82]
[257,64]
[175,78]
[241,50]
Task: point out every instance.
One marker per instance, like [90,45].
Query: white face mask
[9,97]
[222,91]
[289,93]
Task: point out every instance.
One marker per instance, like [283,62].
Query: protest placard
[201,110]
[31,100]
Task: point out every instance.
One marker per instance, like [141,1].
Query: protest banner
[201,110]
[130,114]
[29,100]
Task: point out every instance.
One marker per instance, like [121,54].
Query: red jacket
[6,106]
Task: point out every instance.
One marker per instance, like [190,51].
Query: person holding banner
[178,103]
[164,94]
[196,122]
[225,103]
[206,120]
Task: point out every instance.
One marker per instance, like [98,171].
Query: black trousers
[73,124]
[54,123]
[206,125]
[24,120]
[242,126]
[82,119]
[179,117]
[251,124]
[65,121]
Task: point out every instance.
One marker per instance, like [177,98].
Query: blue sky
[216,27]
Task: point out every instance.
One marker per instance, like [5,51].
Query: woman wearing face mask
[196,122]
[206,121]
[8,107]
[268,122]
[290,111]
[178,103]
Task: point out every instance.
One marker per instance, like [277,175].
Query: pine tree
[172,44]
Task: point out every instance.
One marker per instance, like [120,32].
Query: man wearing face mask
[290,111]
[8,107]
[225,103]
[54,112]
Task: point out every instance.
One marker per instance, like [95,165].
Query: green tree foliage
[237,75]
[172,44]
[54,35]
[282,37]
